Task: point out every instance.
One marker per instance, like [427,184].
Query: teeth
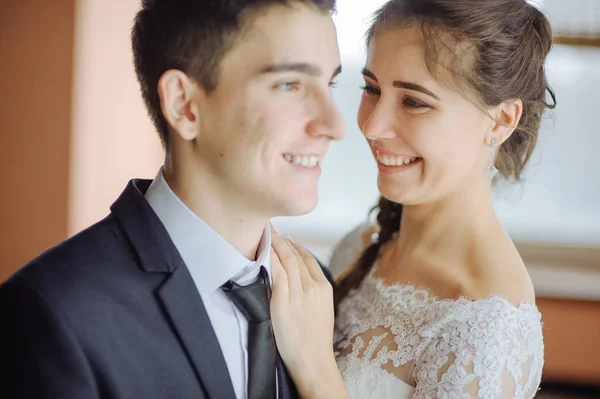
[307,161]
[394,161]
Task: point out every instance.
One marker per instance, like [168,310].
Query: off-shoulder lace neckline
[389,333]
[423,295]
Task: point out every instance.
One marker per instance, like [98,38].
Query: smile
[394,160]
[306,161]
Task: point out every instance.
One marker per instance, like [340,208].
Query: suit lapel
[188,315]
[286,387]
[178,294]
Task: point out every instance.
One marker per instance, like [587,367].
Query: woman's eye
[411,103]
[370,90]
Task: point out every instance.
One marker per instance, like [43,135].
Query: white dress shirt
[212,261]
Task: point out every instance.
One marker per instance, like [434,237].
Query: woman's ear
[506,119]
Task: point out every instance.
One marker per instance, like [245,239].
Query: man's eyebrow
[303,67]
[309,69]
[337,71]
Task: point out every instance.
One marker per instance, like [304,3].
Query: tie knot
[252,299]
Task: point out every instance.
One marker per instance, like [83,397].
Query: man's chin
[297,207]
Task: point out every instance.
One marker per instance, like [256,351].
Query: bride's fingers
[280,289]
[305,276]
[289,263]
[312,265]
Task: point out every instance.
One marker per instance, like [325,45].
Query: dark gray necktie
[253,301]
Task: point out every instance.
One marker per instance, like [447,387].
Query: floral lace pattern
[485,348]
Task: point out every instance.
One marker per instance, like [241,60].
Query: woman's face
[429,141]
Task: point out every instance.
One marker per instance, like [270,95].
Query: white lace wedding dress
[401,342]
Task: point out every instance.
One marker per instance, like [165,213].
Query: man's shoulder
[81,261]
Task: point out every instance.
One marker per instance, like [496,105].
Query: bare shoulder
[500,270]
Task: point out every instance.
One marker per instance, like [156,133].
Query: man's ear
[506,119]
[175,90]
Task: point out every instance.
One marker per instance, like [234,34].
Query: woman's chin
[396,194]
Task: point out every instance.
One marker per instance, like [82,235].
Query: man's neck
[231,219]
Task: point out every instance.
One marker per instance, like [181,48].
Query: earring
[491,170]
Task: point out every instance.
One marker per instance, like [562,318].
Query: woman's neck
[449,228]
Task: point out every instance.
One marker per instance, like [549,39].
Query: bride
[434,300]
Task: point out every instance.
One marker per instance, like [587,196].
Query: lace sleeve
[488,349]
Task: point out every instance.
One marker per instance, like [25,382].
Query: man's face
[266,128]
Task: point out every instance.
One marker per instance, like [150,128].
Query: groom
[152,301]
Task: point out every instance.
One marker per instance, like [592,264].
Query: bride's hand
[302,316]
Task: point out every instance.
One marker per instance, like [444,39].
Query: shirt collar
[211,259]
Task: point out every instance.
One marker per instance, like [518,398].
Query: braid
[388,220]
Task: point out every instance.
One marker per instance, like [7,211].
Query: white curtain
[572,18]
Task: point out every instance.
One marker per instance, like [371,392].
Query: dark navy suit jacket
[112,312]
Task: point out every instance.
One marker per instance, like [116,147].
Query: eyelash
[295,84]
[368,89]
[415,104]
[407,101]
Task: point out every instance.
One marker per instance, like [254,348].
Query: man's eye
[289,86]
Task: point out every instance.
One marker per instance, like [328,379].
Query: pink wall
[36,53]
[74,128]
[112,138]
